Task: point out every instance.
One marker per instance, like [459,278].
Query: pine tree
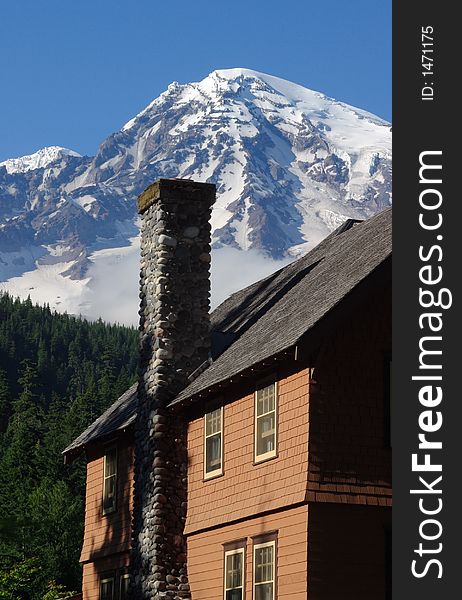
[5,401]
[18,463]
[55,518]
[58,373]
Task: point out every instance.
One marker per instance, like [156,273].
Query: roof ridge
[311,287]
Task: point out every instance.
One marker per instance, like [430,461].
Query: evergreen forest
[57,374]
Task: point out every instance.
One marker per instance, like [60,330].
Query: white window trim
[219,471]
[105,580]
[258,458]
[107,511]
[229,553]
[273,581]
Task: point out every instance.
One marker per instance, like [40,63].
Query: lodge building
[268,471]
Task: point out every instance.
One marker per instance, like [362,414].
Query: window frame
[107,450]
[104,579]
[123,575]
[256,546]
[216,472]
[260,458]
[230,552]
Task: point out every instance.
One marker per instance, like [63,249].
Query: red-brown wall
[93,572]
[347,552]
[349,458]
[107,538]
[331,456]
[246,489]
[206,554]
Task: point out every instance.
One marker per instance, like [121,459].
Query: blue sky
[74,71]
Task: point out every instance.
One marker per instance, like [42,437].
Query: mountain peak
[290,165]
[37,160]
[238,73]
[293,92]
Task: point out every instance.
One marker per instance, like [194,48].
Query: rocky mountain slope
[290,165]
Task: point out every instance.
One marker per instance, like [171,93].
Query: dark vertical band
[426,274]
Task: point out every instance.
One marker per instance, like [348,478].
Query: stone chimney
[174,342]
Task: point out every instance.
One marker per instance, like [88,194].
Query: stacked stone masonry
[326,495]
[174,342]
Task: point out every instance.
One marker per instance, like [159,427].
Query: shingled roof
[117,417]
[273,314]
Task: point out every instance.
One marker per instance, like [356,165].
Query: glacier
[290,165]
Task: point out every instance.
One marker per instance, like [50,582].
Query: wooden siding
[108,534]
[346,552]
[331,458]
[246,489]
[93,572]
[349,460]
[206,554]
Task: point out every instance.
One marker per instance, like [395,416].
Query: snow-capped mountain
[40,159]
[290,165]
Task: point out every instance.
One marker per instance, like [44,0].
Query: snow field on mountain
[39,159]
[290,165]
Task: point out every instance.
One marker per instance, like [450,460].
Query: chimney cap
[174,190]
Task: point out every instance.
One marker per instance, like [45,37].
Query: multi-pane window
[123,586]
[107,588]
[234,574]
[264,571]
[265,422]
[213,443]
[110,481]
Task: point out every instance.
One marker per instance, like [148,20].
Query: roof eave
[311,338]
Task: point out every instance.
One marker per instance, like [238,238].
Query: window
[123,585]
[234,574]
[264,571]
[213,443]
[107,587]
[110,481]
[114,585]
[265,422]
